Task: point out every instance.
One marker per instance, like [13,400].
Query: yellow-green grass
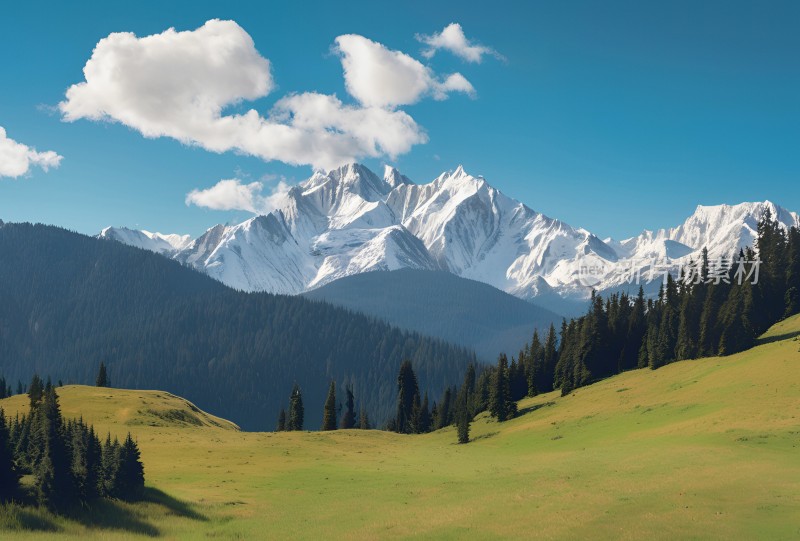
[706,449]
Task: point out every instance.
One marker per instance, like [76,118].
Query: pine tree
[110,467]
[130,477]
[9,479]
[500,392]
[281,421]
[54,483]
[463,426]
[407,391]
[35,392]
[363,419]
[422,417]
[102,377]
[349,417]
[549,360]
[296,410]
[329,413]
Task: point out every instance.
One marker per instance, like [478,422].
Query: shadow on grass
[531,409]
[15,517]
[777,338]
[113,515]
[174,505]
[484,436]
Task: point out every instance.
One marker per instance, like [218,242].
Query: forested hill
[69,302]
[441,304]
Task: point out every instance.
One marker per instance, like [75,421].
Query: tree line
[69,463]
[707,310]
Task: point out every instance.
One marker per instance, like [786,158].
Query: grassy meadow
[706,449]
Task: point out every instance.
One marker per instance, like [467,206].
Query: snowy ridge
[350,221]
[155,242]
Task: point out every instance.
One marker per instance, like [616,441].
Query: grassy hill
[706,449]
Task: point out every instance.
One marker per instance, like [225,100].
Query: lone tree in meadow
[349,417]
[102,376]
[329,414]
[296,410]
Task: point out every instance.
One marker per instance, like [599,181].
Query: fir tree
[54,483]
[349,417]
[35,392]
[500,393]
[130,476]
[329,413]
[281,421]
[463,427]
[102,377]
[296,410]
[363,419]
[407,391]
[9,479]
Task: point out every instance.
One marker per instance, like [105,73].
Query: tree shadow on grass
[15,516]
[113,515]
[117,515]
[777,338]
[174,505]
[531,409]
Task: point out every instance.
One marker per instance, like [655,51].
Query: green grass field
[706,449]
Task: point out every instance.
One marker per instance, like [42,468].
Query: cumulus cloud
[380,77]
[17,159]
[233,194]
[178,84]
[452,39]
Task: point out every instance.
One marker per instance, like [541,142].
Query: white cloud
[452,39]
[233,194]
[178,84]
[379,77]
[16,159]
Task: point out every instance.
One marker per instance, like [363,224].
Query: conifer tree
[35,392]
[329,413]
[130,476]
[54,483]
[102,376]
[281,421]
[349,417]
[549,360]
[407,391]
[363,419]
[533,358]
[422,417]
[9,479]
[296,410]
[110,467]
[500,393]
[463,426]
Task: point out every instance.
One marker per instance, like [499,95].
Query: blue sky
[613,116]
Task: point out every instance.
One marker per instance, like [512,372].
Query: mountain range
[350,221]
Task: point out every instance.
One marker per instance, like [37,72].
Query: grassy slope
[695,450]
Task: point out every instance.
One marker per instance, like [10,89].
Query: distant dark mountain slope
[441,304]
[68,302]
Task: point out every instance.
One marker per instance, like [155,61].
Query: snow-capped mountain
[155,242]
[350,221]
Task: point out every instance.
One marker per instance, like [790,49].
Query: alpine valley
[350,221]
